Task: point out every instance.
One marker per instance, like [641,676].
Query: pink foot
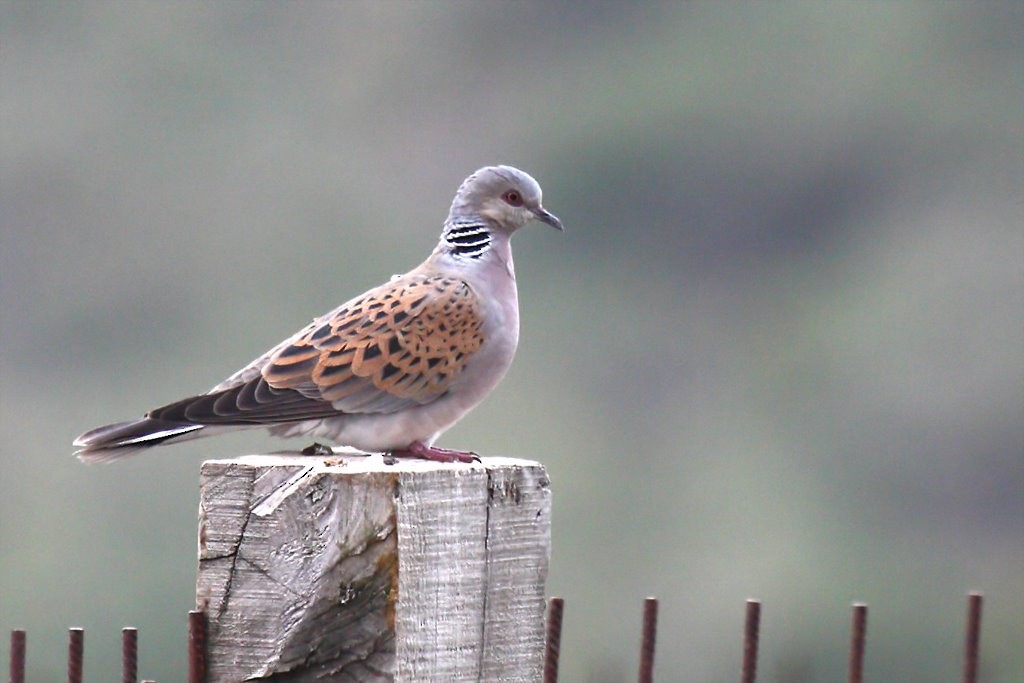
[418,449]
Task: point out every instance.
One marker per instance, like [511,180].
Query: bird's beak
[545,216]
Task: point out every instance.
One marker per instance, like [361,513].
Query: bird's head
[503,195]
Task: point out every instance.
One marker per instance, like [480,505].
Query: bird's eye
[513,198]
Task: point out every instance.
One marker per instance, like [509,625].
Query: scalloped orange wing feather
[397,346]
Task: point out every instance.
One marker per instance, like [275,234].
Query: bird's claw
[316,448]
[418,449]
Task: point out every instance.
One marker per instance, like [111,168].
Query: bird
[389,370]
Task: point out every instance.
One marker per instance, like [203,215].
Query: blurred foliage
[778,353]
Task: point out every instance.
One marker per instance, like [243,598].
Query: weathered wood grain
[350,569]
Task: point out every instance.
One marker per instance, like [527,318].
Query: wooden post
[349,569]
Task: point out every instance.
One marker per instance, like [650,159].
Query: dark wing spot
[330,371]
[352,322]
[294,350]
[324,331]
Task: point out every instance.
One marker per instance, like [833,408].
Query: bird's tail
[115,441]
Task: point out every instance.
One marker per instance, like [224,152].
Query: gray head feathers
[504,196]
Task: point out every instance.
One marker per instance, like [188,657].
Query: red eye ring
[513,198]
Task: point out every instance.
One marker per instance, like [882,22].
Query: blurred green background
[778,353]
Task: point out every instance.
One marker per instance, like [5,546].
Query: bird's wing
[395,347]
[399,345]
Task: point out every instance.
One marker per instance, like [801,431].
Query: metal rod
[650,630]
[129,655]
[76,649]
[196,646]
[17,656]
[972,642]
[553,641]
[858,634]
[748,674]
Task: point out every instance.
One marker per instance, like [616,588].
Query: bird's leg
[418,449]
[316,448]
